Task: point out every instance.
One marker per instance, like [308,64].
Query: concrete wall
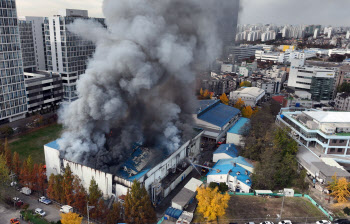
[104,180]
[177,181]
[52,161]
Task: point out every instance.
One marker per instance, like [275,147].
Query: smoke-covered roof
[218,114]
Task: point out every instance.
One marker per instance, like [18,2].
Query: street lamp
[88,209]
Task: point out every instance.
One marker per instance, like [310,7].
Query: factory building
[159,178]
[215,119]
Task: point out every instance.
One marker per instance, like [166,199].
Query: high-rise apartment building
[67,54]
[27,45]
[13,100]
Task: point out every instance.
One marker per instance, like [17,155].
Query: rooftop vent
[238,173]
[247,181]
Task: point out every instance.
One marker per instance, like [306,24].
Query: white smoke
[139,84]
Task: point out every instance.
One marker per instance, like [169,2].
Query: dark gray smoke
[138,86]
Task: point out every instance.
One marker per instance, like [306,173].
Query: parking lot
[8,212]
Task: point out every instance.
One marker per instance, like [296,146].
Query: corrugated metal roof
[229,149]
[236,129]
[53,145]
[227,165]
[219,114]
[193,184]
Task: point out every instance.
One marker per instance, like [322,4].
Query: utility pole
[282,207]
[88,210]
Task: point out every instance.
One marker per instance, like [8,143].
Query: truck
[66,209]
[26,190]
[44,200]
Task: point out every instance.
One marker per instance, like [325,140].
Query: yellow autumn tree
[71,218]
[245,83]
[256,110]
[224,99]
[211,203]
[206,94]
[239,104]
[201,92]
[247,112]
[340,190]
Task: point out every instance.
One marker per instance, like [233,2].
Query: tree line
[275,152]
[68,189]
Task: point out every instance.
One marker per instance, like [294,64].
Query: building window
[332,150]
[341,141]
[340,150]
[334,141]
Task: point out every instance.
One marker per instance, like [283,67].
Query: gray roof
[329,171]
[183,197]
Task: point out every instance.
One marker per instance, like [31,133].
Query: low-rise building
[235,134]
[250,95]
[44,91]
[322,132]
[225,151]
[236,173]
[342,101]
[215,118]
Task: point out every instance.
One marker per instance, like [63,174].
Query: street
[6,212]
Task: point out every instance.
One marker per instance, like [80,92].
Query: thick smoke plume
[138,87]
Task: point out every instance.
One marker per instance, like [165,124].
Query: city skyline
[327,12]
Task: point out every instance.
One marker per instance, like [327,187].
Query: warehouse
[158,178]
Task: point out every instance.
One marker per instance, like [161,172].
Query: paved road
[52,211]
[6,214]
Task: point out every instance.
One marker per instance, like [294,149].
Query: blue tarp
[173,212]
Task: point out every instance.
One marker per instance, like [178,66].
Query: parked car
[14,221]
[285,222]
[26,190]
[249,223]
[266,222]
[14,183]
[40,212]
[323,222]
[341,221]
[44,200]
[66,209]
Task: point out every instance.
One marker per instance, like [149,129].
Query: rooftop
[226,166]
[218,114]
[236,129]
[53,145]
[329,116]
[229,149]
[254,91]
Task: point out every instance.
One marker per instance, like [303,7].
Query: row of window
[8,30]
[11,88]
[12,72]
[11,80]
[7,4]
[10,55]
[13,111]
[8,21]
[10,96]
[10,47]
[10,63]
[8,39]
[12,103]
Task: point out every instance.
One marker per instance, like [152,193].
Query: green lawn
[33,143]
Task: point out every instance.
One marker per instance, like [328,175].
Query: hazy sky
[325,12]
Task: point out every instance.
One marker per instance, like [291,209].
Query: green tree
[50,188]
[58,189]
[4,170]
[68,185]
[246,84]
[16,163]
[8,154]
[138,207]
[94,193]
[113,215]
[223,187]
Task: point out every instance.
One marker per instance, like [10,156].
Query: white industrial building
[187,193]
[235,134]
[250,95]
[236,173]
[159,179]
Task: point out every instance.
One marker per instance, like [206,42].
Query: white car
[285,222]
[16,199]
[40,212]
[266,222]
[323,222]
[14,183]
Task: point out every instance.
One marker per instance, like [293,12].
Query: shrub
[25,206]
[223,187]
[213,185]
[346,210]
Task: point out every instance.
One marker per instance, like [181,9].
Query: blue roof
[173,212]
[236,129]
[218,114]
[226,165]
[53,145]
[203,104]
[229,149]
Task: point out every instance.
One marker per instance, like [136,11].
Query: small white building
[226,68]
[234,135]
[181,200]
[250,95]
[234,172]
[225,151]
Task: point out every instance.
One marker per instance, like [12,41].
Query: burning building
[139,87]
[160,172]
